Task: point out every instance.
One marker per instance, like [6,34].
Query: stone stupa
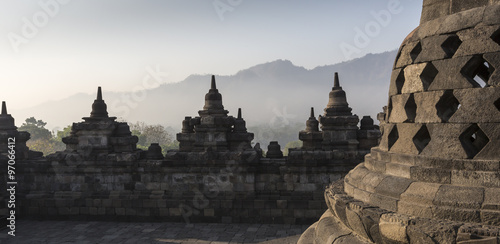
[435,177]
[213,129]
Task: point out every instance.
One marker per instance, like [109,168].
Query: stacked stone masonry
[435,177]
[215,176]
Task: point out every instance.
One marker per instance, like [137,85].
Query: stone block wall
[227,187]
[433,9]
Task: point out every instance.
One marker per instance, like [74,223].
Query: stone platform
[31,231]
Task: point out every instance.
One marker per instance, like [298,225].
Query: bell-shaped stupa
[435,177]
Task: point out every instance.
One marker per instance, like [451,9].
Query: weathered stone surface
[393,186]
[438,231]
[397,82]
[420,192]
[431,175]
[356,176]
[459,6]
[490,217]
[399,170]
[450,74]
[371,181]
[491,199]
[426,29]
[494,60]
[328,230]
[408,54]
[406,143]
[461,20]
[415,235]
[389,137]
[403,159]
[355,222]
[393,228]
[470,233]
[459,196]
[418,199]
[438,47]
[348,239]
[475,178]
[403,108]
[445,141]
[477,105]
[427,111]
[361,195]
[309,235]
[477,40]
[340,206]
[490,16]
[418,77]
[434,9]
[457,214]
[376,166]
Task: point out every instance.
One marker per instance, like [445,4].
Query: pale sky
[51,49]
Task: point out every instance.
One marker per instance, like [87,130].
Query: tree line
[48,142]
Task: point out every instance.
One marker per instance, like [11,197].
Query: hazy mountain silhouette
[274,93]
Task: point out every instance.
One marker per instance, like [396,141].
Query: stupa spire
[312,123]
[337,97]
[6,120]
[4,108]
[336,82]
[311,137]
[213,100]
[99,94]
[213,85]
[239,123]
[99,107]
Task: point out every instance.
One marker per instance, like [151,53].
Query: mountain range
[276,93]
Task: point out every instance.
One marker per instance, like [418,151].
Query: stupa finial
[213,83]
[336,82]
[6,120]
[99,107]
[4,108]
[99,94]
[213,99]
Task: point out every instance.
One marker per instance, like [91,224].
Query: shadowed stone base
[329,230]
[351,221]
